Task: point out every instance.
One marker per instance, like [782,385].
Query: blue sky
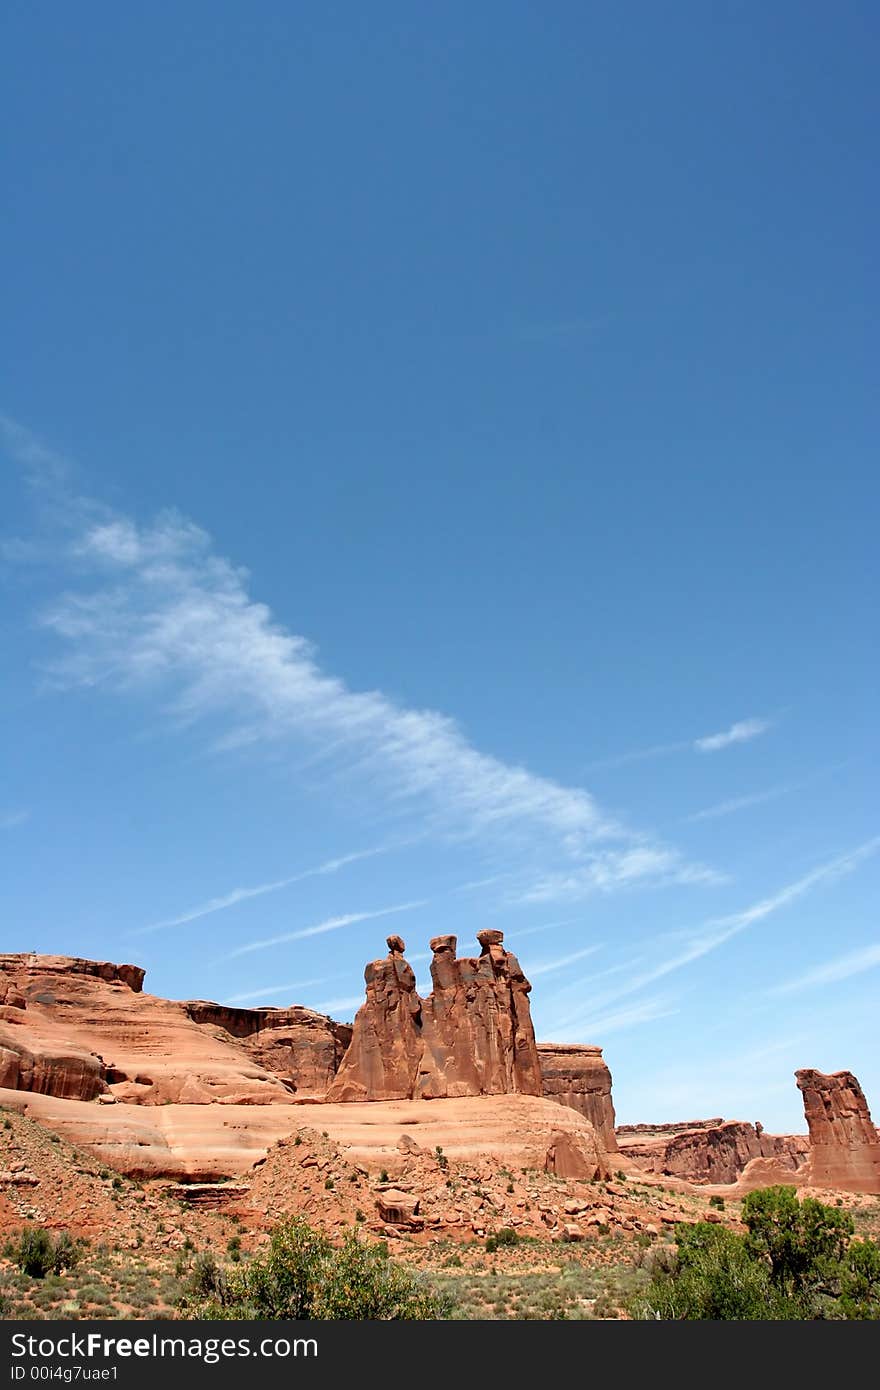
[439,491]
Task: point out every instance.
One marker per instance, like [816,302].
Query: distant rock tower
[844,1145]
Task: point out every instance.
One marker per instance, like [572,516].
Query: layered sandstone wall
[709,1153]
[577,1075]
[473,1035]
[302,1048]
[844,1146]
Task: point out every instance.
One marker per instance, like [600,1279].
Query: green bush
[506,1236]
[37,1252]
[716,1201]
[302,1276]
[797,1260]
[803,1242]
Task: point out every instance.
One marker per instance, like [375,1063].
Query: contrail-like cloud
[832,971]
[741,732]
[347,919]
[240,895]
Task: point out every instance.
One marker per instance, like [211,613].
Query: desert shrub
[66,1253]
[796,1261]
[359,1283]
[506,1236]
[714,1277]
[207,1276]
[37,1252]
[860,1280]
[302,1276]
[233,1248]
[803,1242]
[716,1201]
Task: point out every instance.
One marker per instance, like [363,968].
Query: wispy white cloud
[157,610]
[832,971]
[347,919]
[339,1006]
[742,803]
[599,1025]
[609,870]
[10,819]
[238,895]
[549,965]
[278,991]
[739,803]
[639,755]
[517,935]
[741,732]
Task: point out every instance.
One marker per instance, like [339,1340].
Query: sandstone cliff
[716,1152]
[83,1030]
[576,1075]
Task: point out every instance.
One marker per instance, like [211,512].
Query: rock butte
[199,1090]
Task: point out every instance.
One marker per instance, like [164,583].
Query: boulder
[398,1208]
[577,1157]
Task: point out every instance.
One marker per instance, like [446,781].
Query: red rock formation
[477,1025]
[472,1036]
[80,1029]
[382,1061]
[576,1075]
[70,1072]
[302,1048]
[576,1157]
[131,975]
[844,1147]
[709,1153]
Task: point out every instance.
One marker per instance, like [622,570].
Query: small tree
[803,1242]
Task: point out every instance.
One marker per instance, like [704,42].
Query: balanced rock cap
[490,937]
[395,944]
[443,943]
